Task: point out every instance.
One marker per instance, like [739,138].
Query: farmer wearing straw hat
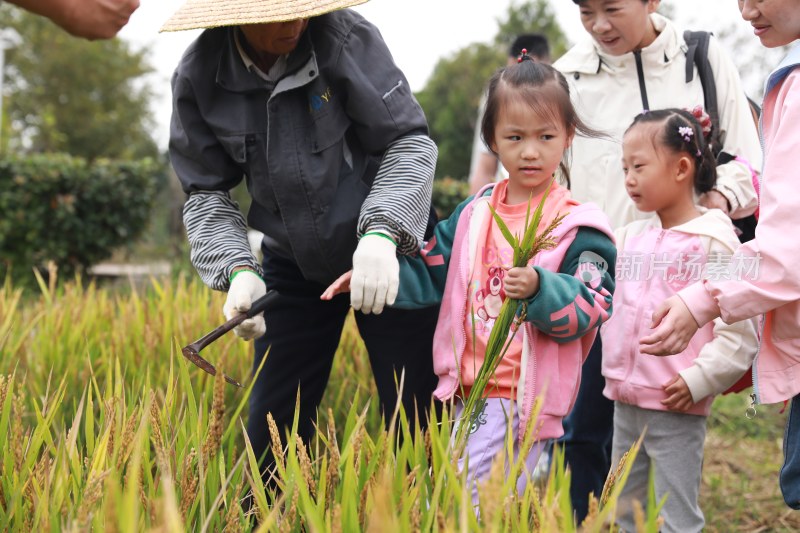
[303,99]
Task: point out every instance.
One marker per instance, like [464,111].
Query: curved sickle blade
[192,355]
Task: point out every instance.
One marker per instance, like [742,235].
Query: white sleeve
[723,360]
[478,146]
[738,134]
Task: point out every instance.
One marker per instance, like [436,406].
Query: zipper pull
[751,412]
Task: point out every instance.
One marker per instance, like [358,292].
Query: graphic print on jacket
[486,297]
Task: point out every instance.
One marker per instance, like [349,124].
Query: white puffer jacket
[606,91]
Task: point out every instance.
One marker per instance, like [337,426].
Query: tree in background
[450,100]
[533,17]
[87,99]
[451,95]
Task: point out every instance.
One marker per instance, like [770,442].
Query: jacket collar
[586,214]
[791,60]
[711,223]
[586,57]
[233,75]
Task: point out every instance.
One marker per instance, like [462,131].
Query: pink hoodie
[775,290]
[548,368]
[652,264]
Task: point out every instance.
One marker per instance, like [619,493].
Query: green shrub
[59,208]
[447,194]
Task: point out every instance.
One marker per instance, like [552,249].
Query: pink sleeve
[701,304]
[765,273]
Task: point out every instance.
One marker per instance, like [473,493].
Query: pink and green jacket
[575,297]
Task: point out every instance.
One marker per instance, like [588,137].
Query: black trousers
[302,336]
[588,433]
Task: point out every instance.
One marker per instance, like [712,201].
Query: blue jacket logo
[319,100]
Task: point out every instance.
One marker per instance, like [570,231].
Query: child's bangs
[548,102]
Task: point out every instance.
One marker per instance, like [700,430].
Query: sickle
[192,351]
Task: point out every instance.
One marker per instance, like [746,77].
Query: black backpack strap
[697,56]
[691,52]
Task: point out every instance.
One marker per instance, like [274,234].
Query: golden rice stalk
[357,440]
[638,515]
[611,480]
[91,495]
[411,478]
[111,415]
[127,439]
[509,504]
[19,435]
[332,477]
[305,466]
[336,519]
[441,521]
[40,474]
[428,445]
[110,518]
[593,512]
[5,381]
[362,502]
[287,522]
[155,433]
[275,436]
[490,491]
[232,521]
[537,525]
[215,424]
[188,483]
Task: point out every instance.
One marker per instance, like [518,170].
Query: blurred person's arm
[738,135]
[90,19]
[483,172]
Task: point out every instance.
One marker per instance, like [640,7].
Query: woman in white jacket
[634,59]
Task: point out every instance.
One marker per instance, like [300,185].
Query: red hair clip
[522,55]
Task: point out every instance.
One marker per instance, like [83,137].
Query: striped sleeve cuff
[399,201]
[218,237]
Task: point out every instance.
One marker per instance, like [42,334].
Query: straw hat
[196,14]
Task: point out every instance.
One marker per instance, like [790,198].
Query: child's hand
[674,327]
[521,283]
[679,397]
[340,286]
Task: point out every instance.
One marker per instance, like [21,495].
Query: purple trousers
[487,442]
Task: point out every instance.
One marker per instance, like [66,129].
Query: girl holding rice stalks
[566,288]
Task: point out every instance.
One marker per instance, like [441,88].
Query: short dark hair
[535,43]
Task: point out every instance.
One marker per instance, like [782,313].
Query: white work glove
[376,274]
[245,289]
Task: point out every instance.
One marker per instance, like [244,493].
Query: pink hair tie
[702,118]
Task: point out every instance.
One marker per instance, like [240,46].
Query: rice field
[105,427]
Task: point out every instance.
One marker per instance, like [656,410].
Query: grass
[740,477]
[104,426]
